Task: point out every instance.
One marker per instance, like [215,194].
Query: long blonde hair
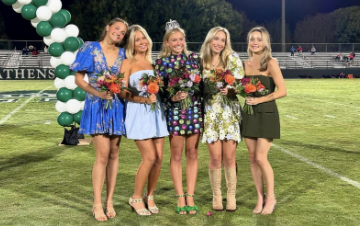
[113,21]
[205,51]
[165,50]
[130,50]
[266,53]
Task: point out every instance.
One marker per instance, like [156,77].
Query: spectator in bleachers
[45,49]
[313,50]
[292,51]
[351,58]
[35,52]
[25,51]
[337,57]
[299,49]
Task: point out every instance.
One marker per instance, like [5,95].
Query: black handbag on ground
[71,136]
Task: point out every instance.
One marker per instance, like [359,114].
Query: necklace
[214,65]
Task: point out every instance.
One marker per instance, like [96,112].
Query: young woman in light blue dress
[145,126]
[105,125]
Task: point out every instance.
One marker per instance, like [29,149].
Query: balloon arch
[51,22]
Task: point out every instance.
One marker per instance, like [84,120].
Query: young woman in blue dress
[263,126]
[105,125]
[184,125]
[145,126]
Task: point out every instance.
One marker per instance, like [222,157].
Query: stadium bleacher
[306,60]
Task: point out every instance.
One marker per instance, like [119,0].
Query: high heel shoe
[141,212]
[191,208]
[109,209]
[267,212]
[152,209]
[181,210]
[99,216]
[263,204]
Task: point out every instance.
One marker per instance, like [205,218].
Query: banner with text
[27,73]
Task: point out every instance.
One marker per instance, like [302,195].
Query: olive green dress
[265,122]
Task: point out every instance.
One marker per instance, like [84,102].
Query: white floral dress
[223,121]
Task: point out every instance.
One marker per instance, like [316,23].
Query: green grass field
[316,165]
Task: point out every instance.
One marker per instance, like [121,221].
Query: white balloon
[60,106]
[72,30]
[17,7]
[86,78]
[59,83]
[73,106]
[58,35]
[70,82]
[24,2]
[68,58]
[82,104]
[55,61]
[48,40]
[34,22]
[54,5]
[44,13]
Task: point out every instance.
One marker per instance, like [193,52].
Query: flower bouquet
[151,84]
[107,81]
[217,80]
[186,81]
[250,87]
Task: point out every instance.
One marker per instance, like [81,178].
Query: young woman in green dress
[263,126]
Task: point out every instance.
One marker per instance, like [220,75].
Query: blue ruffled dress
[95,118]
[141,122]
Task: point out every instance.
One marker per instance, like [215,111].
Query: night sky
[257,10]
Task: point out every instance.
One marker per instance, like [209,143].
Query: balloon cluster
[51,22]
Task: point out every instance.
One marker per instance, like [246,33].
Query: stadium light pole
[283,48]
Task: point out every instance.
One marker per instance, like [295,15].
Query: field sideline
[316,165]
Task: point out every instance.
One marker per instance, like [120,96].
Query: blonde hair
[165,50]
[112,22]
[205,51]
[266,53]
[130,50]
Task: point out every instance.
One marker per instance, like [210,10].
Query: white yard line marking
[2,121]
[48,122]
[330,116]
[328,102]
[289,116]
[320,167]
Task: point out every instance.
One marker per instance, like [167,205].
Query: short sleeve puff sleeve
[84,58]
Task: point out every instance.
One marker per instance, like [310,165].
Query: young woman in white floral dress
[221,128]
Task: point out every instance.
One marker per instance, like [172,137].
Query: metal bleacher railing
[322,59]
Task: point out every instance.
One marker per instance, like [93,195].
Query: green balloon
[81,41]
[64,94]
[56,49]
[72,72]
[66,14]
[44,28]
[62,71]
[79,94]
[9,2]
[39,2]
[65,119]
[58,20]
[77,117]
[29,11]
[71,44]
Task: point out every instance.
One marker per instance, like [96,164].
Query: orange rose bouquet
[110,82]
[250,87]
[151,84]
[217,80]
